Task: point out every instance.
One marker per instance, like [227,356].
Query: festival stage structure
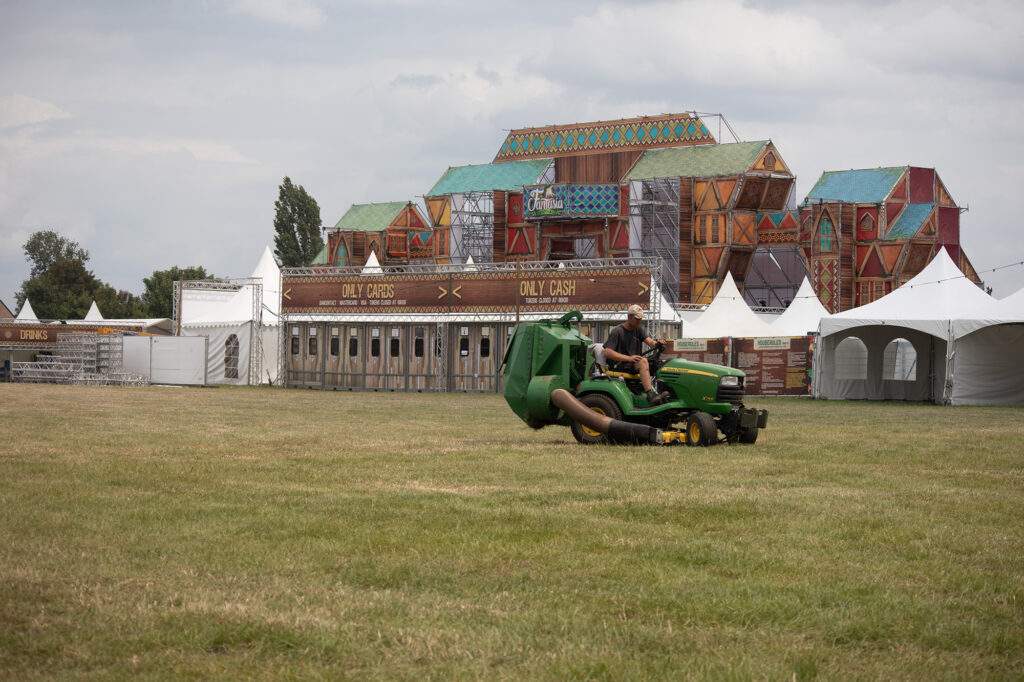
[395,231]
[865,232]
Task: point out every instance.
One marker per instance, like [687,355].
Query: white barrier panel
[167,359]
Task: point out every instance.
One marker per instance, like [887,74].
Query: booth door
[394,352]
[376,340]
[333,356]
[353,356]
[474,362]
[421,345]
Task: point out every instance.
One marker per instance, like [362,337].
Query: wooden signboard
[775,365]
[34,335]
[506,291]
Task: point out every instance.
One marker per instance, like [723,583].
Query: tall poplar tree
[297,238]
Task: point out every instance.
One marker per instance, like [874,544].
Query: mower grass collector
[553,377]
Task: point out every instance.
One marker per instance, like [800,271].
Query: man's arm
[619,357]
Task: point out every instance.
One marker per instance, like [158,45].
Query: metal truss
[472,230]
[509,266]
[654,228]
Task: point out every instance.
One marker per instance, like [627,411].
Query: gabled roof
[5,312]
[860,186]
[486,177]
[909,221]
[370,217]
[698,161]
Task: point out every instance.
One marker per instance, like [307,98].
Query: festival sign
[567,200]
[501,291]
[774,366]
[713,351]
[35,334]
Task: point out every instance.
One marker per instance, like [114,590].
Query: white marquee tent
[26,314]
[803,315]
[242,325]
[728,315]
[938,337]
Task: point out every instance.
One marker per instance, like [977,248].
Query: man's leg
[644,370]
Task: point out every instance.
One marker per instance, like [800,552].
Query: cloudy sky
[156,133]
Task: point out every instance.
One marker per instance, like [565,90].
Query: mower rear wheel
[749,436]
[601,404]
[701,430]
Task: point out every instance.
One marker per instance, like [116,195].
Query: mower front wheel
[701,430]
[601,404]
[748,436]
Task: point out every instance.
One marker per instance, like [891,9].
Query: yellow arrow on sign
[286,294]
[444,292]
[644,288]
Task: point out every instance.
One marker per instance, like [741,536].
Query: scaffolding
[774,276]
[234,284]
[472,231]
[80,358]
[654,228]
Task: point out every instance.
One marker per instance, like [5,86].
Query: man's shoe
[657,399]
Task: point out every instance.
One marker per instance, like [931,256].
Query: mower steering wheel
[654,352]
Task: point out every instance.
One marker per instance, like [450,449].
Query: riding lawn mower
[555,375]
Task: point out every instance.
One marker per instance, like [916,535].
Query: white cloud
[21,110]
[295,13]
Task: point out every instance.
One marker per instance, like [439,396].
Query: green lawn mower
[552,377]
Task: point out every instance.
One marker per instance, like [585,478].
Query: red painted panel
[873,266]
[788,222]
[922,185]
[515,208]
[624,200]
[954,252]
[900,190]
[862,255]
[867,233]
[949,225]
[621,236]
[892,211]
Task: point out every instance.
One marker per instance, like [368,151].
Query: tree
[297,238]
[158,298]
[46,247]
[66,290]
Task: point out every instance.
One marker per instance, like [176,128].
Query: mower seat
[601,365]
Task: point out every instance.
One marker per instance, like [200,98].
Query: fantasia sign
[506,291]
[568,200]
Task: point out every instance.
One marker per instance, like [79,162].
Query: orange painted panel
[890,254]
[944,198]
[703,290]
[743,231]
[725,189]
[710,200]
[700,188]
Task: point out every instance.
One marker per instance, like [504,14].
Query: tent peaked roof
[94,314]
[470,263]
[372,266]
[1012,307]
[26,314]
[268,271]
[803,315]
[728,315]
[938,297]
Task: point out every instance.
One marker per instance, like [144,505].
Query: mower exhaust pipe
[618,431]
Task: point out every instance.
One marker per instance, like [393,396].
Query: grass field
[263,533]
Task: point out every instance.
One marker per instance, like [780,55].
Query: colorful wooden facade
[865,232]
[396,231]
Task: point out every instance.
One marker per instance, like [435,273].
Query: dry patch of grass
[268,533]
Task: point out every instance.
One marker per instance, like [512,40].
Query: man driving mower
[624,349]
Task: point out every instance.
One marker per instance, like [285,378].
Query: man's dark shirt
[622,340]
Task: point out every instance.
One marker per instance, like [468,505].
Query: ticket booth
[476,351]
[304,354]
[343,364]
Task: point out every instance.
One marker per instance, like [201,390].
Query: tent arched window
[231,357]
[851,359]
[899,361]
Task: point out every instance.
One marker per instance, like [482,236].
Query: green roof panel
[859,186]
[697,161]
[370,217]
[486,177]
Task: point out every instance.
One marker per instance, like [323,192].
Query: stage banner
[498,291]
[774,365]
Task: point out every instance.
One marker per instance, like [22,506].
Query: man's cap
[635,311]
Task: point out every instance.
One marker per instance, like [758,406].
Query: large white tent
[728,315]
[938,337]
[242,325]
[803,315]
